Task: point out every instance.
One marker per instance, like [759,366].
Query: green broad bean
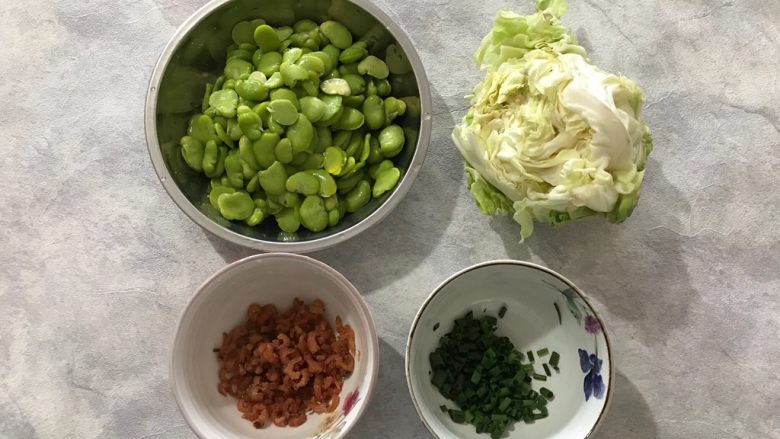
[327,184]
[354,53]
[327,62]
[286,93]
[273,207]
[253,185]
[333,218]
[325,139]
[201,127]
[274,127]
[335,86]
[313,108]
[334,160]
[303,183]
[357,84]
[298,159]
[257,55]
[358,196]
[337,34]
[219,165]
[247,171]
[236,67]
[313,214]
[312,63]
[257,77]
[298,39]
[206,94]
[333,53]
[394,108]
[355,167]
[342,139]
[374,112]
[396,60]
[210,112]
[386,180]
[283,111]
[246,152]
[348,69]
[289,199]
[412,106]
[311,44]
[269,63]
[234,169]
[391,140]
[375,170]
[348,168]
[292,55]
[333,74]
[313,161]
[373,66]
[273,179]
[192,150]
[355,144]
[354,101]
[251,89]
[249,122]
[375,154]
[230,84]
[240,54]
[216,191]
[292,73]
[266,38]
[288,220]
[284,32]
[366,148]
[236,206]
[263,149]
[219,82]
[223,136]
[383,88]
[304,25]
[332,202]
[257,217]
[371,88]
[346,184]
[224,102]
[234,130]
[275,81]
[284,151]
[310,87]
[333,107]
[260,202]
[243,32]
[301,134]
[350,120]
[249,47]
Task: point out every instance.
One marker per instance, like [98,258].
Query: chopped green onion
[546,370]
[542,352]
[502,312]
[530,355]
[540,377]
[554,359]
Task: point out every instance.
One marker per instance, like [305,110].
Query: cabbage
[550,137]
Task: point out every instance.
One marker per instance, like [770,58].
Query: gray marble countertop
[97,261]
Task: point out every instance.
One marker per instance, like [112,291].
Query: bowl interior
[221,304]
[543,310]
[199,59]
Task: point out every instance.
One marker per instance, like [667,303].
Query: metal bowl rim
[155,153]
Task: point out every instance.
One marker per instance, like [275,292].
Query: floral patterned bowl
[543,309]
[221,303]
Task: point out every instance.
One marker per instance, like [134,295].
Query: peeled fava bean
[300,124]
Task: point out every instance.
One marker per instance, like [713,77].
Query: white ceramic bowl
[221,303]
[544,309]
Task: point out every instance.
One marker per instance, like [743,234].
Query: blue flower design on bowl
[593,384]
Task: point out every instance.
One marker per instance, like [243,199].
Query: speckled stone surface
[97,262]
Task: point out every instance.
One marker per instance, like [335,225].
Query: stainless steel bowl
[194,56]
